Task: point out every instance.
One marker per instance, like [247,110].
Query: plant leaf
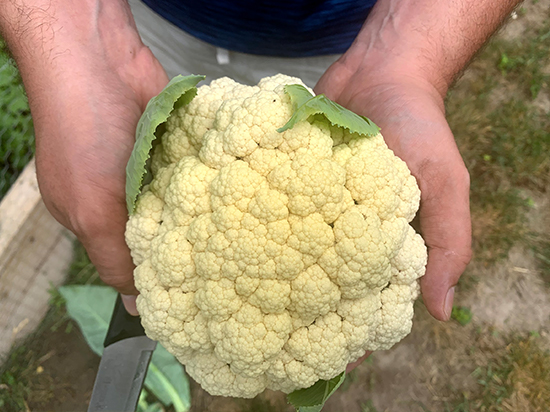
[306,105]
[91,308]
[144,406]
[178,92]
[313,399]
[168,381]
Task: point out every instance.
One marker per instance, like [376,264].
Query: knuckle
[85,225]
[466,255]
[462,176]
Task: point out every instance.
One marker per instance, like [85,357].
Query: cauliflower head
[267,259]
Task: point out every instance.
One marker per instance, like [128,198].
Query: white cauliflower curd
[267,259]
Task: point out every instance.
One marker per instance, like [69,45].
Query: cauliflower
[269,259]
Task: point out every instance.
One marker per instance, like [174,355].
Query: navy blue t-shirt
[286,28]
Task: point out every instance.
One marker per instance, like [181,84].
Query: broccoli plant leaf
[178,92]
[313,399]
[306,105]
[91,308]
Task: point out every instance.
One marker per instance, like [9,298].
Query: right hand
[86,102]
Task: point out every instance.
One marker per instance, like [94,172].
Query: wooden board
[35,253]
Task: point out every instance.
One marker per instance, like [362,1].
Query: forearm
[428,39]
[52,40]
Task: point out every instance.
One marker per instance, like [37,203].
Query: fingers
[100,228]
[104,241]
[99,221]
[112,260]
[446,228]
[129,302]
[101,231]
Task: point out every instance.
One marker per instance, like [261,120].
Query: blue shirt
[286,28]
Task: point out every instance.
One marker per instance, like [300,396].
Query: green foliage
[461,314]
[166,380]
[518,142]
[91,308]
[541,249]
[20,366]
[306,105]
[13,377]
[178,92]
[504,139]
[368,407]
[81,270]
[520,60]
[313,399]
[515,378]
[16,131]
[145,405]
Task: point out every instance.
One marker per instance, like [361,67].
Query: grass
[541,250]
[517,380]
[461,314]
[512,374]
[520,60]
[504,136]
[16,131]
[502,126]
[22,378]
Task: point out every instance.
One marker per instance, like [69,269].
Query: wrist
[424,41]
[62,46]
[390,47]
[54,39]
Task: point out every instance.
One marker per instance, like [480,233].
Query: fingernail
[449,302]
[129,302]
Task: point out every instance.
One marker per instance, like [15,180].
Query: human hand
[410,112]
[88,84]
[81,153]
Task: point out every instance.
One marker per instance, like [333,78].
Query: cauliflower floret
[267,259]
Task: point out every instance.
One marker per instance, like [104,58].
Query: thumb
[446,228]
[101,232]
[129,302]
[111,257]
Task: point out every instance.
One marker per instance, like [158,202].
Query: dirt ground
[429,370]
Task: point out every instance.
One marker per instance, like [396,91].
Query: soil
[429,368]
[66,372]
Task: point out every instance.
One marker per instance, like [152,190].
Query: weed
[540,245]
[20,379]
[518,379]
[504,139]
[520,60]
[368,407]
[16,131]
[461,314]
[82,271]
